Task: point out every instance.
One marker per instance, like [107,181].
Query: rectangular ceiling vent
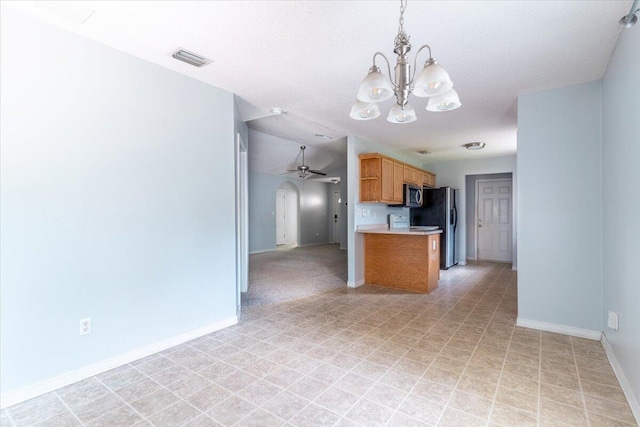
[191,58]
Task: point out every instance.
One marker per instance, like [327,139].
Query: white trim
[261,251]
[25,393]
[514,267]
[316,244]
[462,262]
[560,329]
[622,379]
[355,284]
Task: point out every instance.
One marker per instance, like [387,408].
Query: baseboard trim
[622,379]
[514,267]
[261,252]
[355,284]
[462,262]
[316,244]
[560,329]
[29,392]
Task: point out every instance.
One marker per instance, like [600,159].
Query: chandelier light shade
[375,87]
[433,82]
[401,115]
[446,102]
[364,110]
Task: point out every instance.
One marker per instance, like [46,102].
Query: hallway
[289,273]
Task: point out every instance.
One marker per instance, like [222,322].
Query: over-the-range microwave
[412,196]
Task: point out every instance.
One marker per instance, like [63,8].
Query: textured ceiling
[309,57]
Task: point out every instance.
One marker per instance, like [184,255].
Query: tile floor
[364,357]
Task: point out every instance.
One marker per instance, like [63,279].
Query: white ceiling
[309,57]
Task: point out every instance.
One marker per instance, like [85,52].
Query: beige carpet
[289,273]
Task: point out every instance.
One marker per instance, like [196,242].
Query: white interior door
[336,217]
[281,197]
[494,222]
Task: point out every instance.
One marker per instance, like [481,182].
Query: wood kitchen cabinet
[408,261]
[428,180]
[416,177]
[382,178]
[398,188]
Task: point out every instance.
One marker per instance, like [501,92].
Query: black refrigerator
[439,208]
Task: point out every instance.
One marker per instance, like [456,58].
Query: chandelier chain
[403,7]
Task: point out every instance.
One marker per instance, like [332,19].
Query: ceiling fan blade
[318,172]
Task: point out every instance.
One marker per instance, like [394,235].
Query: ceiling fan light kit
[432,81]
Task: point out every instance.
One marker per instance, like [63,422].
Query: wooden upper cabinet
[416,177]
[382,178]
[386,183]
[398,181]
[428,179]
[370,171]
[407,174]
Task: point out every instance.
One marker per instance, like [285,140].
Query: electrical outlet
[366,212]
[85,326]
[612,322]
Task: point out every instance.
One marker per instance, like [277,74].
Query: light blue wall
[560,206]
[621,202]
[453,174]
[116,202]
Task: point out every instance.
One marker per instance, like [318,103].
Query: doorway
[286,213]
[336,216]
[242,219]
[493,219]
[281,200]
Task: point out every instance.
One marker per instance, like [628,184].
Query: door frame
[333,214]
[242,219]
[476,207]
[284,215]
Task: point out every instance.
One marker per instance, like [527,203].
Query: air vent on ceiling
[424,151]
[191,58]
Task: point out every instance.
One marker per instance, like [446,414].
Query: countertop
[384,229]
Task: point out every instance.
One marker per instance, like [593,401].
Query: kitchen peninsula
[404,258]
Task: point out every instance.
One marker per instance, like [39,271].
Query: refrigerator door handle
[455,217]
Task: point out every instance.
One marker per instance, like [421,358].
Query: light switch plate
[613,321]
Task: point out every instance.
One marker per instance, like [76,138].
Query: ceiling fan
[303,170]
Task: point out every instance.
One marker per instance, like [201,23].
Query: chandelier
[433,82]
